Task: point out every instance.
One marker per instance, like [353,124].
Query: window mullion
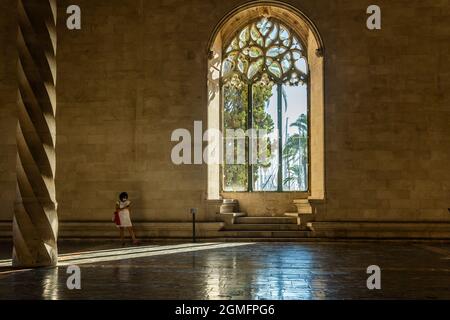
[280,137]
[249,141]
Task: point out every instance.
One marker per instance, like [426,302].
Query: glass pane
[275,69]
[254,68]
[265,115]
[295,137]
[235,123]
[264,26]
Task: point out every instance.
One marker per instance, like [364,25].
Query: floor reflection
[280,275]
[239,271]
[289,274]
[50,284]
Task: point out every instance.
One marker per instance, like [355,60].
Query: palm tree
[295,149]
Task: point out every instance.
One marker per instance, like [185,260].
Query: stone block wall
[136,71]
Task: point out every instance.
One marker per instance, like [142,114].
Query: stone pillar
[35,225]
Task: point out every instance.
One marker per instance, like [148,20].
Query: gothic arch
[309,34]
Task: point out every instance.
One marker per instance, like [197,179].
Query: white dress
[124,214]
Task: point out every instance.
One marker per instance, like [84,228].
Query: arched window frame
[271,43]
[296,19]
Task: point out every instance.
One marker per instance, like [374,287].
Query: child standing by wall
[123,210]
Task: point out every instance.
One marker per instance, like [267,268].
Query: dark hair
[123,195]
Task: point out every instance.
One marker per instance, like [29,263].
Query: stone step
[243,239]
[266,220]
[263,227]
[265,234]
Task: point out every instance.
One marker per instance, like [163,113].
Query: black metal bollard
[193,212]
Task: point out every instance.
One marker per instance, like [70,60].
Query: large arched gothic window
[265,93]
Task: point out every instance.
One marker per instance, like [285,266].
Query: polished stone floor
[312,270]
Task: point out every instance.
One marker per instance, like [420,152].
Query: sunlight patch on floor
[104,255]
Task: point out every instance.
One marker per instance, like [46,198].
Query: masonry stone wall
[137,70]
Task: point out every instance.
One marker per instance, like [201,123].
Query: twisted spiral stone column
[35,225]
